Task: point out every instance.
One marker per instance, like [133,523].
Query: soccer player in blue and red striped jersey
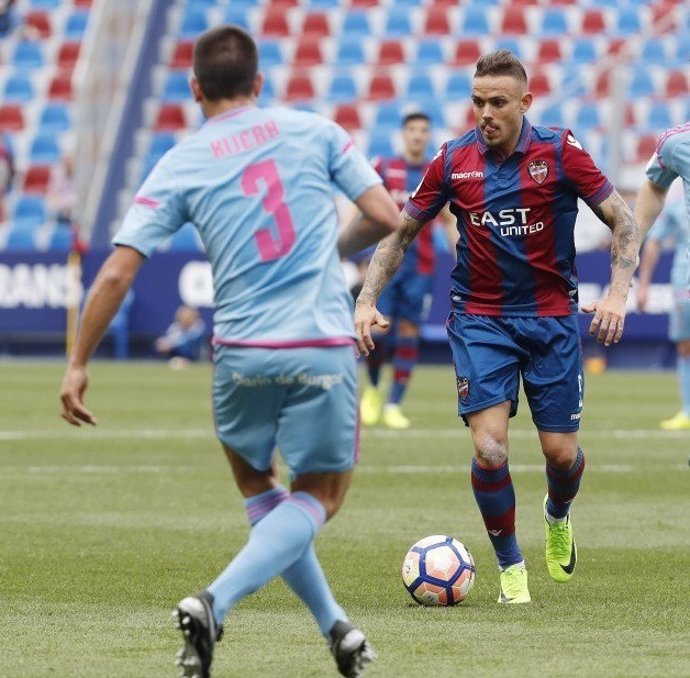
[405,300]
[513,189]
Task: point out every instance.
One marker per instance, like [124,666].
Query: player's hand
[642,297]
[366,317]
[608,321]
[74,386]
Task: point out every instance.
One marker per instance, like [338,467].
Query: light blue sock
[275,543]
[684,382]
[305,577]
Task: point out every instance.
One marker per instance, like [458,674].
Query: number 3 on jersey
[271,245]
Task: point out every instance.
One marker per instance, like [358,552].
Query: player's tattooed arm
[388,257]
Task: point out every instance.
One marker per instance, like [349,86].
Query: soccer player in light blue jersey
[256,183]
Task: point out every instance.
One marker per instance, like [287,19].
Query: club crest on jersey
[463,387]
[538,170]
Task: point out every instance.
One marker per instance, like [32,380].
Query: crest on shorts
[463,387]
[538,170]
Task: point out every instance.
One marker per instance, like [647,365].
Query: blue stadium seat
[459,86]
[474,21]
[236,14]
[659,117]
[268,91]
[204,4]
[20,239]
[193,23]
[388,114]
[18,89]
[44,150]
[380,143]
[54,118]
[584,50]
[641,83]
[75,26]
[28,54]
[350,52]
[420,87]
[270,53]
[429,51]
[29,212]
[587,117]
[176,87]
[683,48]
[398,22]
[653,51]
[161,142]
[322,4]
[553,22]
[509,43]
[552,116]
[186,239]
[46,4]
[60,239]
[572,82]
[628,21]
[342,88]
[356,23]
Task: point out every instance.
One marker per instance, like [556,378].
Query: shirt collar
[523,142]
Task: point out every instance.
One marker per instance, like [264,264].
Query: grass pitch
[103,530]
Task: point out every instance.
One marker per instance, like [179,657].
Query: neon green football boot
[394,418]
[561,551]
[370,406]
[678,422]
[514,585]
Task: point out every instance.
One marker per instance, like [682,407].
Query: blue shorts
[407,296]
[301,400]
[679,317]
[490,353]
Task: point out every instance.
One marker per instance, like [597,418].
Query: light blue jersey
[257,184]
[673,224]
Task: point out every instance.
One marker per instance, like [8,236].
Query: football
[438,571]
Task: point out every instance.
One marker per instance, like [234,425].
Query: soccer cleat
[514,585]
[350,649]
[394,418]
[678,422]
[370,406]
[194,617]
[561,550]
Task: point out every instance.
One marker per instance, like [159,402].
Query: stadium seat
[11,118]
[391,52]
[459,86]
[436,21]
[270,53]
[308,52]
[539,83]
[661,10]
[44,150]
[602,86]
[60,239]
[161,143]
[676,84]
[20,239]
[475,21]
[653,51]
[28,54]
[549,51]
[18,89]
[514,21]
[54,118]
[429,51]
[511,43]
[380,144]
[347,116]
[323,4]
[641,83]
[467,52]
[659,117]
[587,117]
[45,4]
[646,145]
[238,15]
[363,3]
[182,54]
[275,21]
[170,117]
[572,83]
[61,86]
[398,22]
[299,88]
[593,22]
[29,212]
[87,3]
[36,179]
[628,21]
[584,50]
[68,55]
[552,116]
[381,86]
[682,51]
[420,87]
[342,88]
[356,23]
[201,4]
[350,52]
[553,22]
[388,114]
[39,22]
[176,87]
[75,26]
[316,24]
[615,46]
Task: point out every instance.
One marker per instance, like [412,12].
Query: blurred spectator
[6,171]
[7,17]
[61,197]
[184,339]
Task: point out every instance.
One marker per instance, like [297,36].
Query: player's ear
[196,90]
[258,84]
[526,101]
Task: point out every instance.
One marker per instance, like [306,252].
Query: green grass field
[103,530]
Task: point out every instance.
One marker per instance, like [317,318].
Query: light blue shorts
[679,317]
[302,401]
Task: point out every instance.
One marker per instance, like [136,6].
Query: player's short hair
[226,61]
[501,62]
[416,115]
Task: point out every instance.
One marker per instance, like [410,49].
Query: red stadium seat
[275,21]
[539,83]
[38,22]
[11,118]
[514,21]
[616,45]
[466,52]
[83,4]
[391,52]
[593,21]
[299,88]
[436,22]
[170,117]
[563,2]
[549,51]
[316,24]
[446,3]
[646,145]
[676,84]
[37,179]
[363,3]
[381,87]
[182,55]
[308,52]
[68,54]
[659,15]
[61,86]
[602,88]
[347,116]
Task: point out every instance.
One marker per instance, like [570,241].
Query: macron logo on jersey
[474,174]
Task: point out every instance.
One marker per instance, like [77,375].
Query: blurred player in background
[670,161]
[514,190]
[184,339]
[257,185]
[406,299]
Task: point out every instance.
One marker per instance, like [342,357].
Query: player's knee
[683,348]
[490,450]
[329,489]
[560,456]
[408,329]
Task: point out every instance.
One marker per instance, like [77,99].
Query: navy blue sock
[405,358]
[563,486]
